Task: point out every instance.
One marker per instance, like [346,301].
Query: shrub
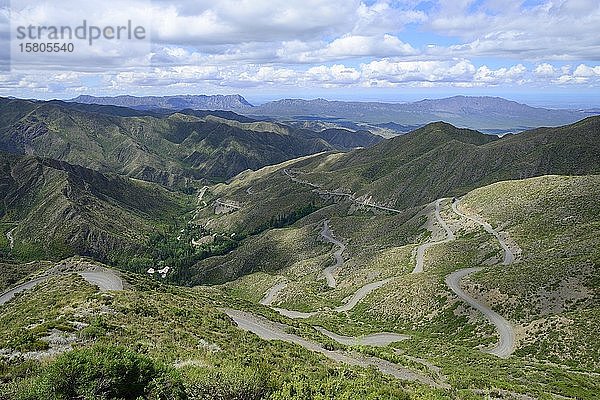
[227,383]
[103,372]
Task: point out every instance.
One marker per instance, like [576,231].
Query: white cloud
[514,74]
[584,71]
[552,30]
[385,70]
[220,46]
[545,70]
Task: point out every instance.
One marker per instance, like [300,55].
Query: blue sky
[540,52]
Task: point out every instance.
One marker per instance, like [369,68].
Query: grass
[181,329]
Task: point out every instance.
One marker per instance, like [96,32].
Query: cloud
[222,46]
[545,70]
[514,74]
[394,72]
[551,30]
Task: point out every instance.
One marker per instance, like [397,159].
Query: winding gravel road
[272,293]
[422,248]
[317,189]
[104,279]
[361,294]
[509,257]
[356,298]
[339,260]
[270,330]
[11,239]
[506,345]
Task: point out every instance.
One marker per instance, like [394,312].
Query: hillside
[443,264]
[439,350]
[548,295]
[51,209]
[171,149]
[435,161]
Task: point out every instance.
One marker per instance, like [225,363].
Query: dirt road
[509,256]
[272,293]
[422,248]
[104,279]
[11,239]
[270,330]
[339,260]
[361,294]
[506,344]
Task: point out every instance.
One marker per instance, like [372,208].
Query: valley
[443,263]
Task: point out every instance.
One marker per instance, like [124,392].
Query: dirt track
[339,260]
[269,330]
[104,279]
[422,248]
[506,343]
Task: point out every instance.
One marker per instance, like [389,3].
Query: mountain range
[173,149]
[488,114]
[197,102]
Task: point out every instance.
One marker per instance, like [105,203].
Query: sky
[544,53]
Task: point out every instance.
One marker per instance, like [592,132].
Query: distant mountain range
[196,102]
[487,114]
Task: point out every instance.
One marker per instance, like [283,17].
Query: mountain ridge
[173,148]
[486,113]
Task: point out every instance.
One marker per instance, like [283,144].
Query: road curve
[356,298]
[272,293]
[339,260]
[509,257]
[360,294]
[11,239]
[422,248]
[506,345]
[269,330]
[104,279]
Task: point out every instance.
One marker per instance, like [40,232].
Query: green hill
[54,209]
[173,149]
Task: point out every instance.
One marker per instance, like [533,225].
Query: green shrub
[227,383]
[103,372]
